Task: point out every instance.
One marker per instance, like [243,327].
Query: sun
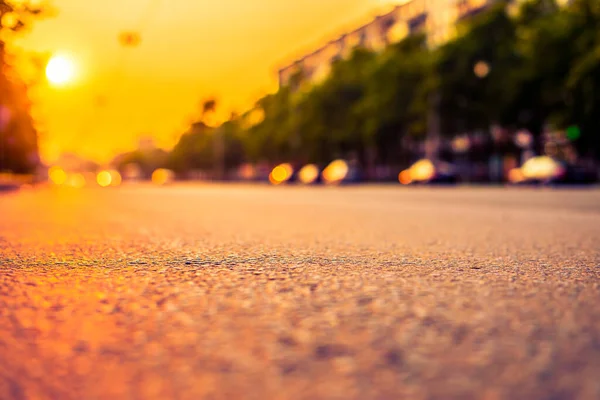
[60,70]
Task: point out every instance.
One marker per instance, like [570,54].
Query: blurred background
[344,91]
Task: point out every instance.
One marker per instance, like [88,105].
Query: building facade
[436,18]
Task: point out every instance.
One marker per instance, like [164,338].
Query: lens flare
[515,175]
[115,177]
[404,177]
[336,172]
[104,178]
[162,176]
[481,69]
[461,144]
[281,173]
[57,175]
[542,167]
[308,174]
[422,170]
[9,20]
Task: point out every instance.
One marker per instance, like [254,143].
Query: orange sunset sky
[190,50]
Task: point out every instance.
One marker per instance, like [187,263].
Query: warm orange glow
[281,173]
[272,180]
[9,20]
[515,175]
[255,117]
[542,167]
[321,74]
[132,171]
[76,181]
[481,69]
[115,178]
[162,176]
[422,170]
[89,177]
[335,172]
[57,175]
[60,70]
[404,177]
[308,174]
[156,86]
[398,32]
[477,3]
[247,171]
[104,178]
[461,144]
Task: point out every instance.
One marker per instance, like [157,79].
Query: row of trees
[523,68]
[18,136]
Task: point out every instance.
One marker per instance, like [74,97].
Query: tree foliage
[18,136]
[470,99]
[527,69]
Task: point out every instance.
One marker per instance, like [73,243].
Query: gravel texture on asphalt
[251,292]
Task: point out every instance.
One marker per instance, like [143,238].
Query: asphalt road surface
[248,292]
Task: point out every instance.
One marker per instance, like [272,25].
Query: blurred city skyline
[189,51]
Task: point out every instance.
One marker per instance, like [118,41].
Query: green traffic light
[573,132]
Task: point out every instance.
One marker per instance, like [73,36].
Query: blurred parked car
[428,172]
[574,174]
[341,172]
[549,171]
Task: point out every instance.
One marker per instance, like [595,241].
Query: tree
[477,73]
[395,104]
[18,137]
[561,76]
[365,105]
[206,148]
[519,71]
[148,160]
[17,15]
[270,138]
[330,117]
[582,83]
[544,41]
[195,150]
[233,146]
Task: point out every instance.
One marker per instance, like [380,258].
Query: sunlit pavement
[278,292]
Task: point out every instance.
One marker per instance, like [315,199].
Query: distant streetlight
[523,139]
[461,144]
[481,69]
